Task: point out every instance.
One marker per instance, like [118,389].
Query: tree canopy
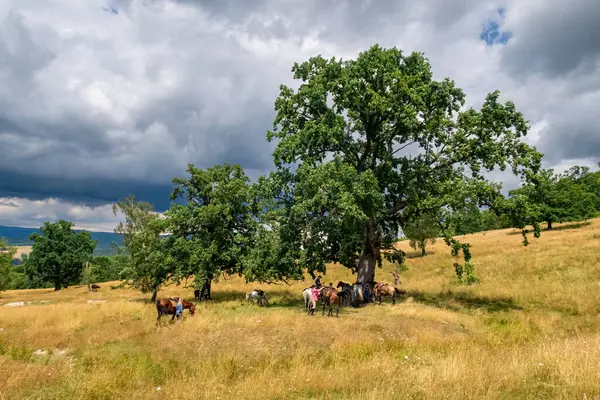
[209,234]
[421,230]
[6,254]
[58,254]
[149,265]
[365,145]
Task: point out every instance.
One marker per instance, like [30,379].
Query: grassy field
[530,329]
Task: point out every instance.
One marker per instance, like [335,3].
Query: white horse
[307,294]
[258,295]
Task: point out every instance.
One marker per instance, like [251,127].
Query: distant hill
[17,236]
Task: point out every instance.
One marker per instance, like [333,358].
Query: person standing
[179,308]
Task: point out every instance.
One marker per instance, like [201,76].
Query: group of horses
[349,295]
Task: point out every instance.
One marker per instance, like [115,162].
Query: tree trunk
[154,295]
[549,225]
[56,286]
[205,291]
[370,254]
[423,251]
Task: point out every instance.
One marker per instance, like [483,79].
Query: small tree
[59,254]
[6,255]
[149,263]
[421,230]
[88,275]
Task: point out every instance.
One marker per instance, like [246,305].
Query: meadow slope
[529,330]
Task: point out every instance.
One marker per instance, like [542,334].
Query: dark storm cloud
[573,132]
[559,38]
[556,48]
[91,192]
[344,21]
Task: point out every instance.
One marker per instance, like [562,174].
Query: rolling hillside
[529,330]
[17,236]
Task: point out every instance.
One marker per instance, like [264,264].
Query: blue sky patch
[110,10]
[491,32]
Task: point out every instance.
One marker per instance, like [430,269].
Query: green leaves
[210,233]
[149,264]
[550,197]
[421,230]
[366,145]
[6,255]
[59,254]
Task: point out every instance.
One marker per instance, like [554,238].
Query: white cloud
[32,214]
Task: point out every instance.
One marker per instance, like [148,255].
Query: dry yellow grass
[21,250]
[530,329]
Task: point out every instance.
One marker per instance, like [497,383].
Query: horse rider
[318,281]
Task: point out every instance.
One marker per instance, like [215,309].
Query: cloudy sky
[103,98]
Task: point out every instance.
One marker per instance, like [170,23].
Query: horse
[93,287]
[166,307]
[361,294]
[307,295]
[345,293]
[258,295]
[329,296]
[383,289]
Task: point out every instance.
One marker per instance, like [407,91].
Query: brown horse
[166,307]
[329,296]
[383,289]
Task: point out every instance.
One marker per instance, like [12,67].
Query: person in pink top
[315,295]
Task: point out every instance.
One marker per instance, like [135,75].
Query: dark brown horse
[345,293]
[93,287]
[166,307]
[329,296]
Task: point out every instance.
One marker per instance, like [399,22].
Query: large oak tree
[365,145]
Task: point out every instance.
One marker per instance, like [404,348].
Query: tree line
[365,148]
[571,196]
